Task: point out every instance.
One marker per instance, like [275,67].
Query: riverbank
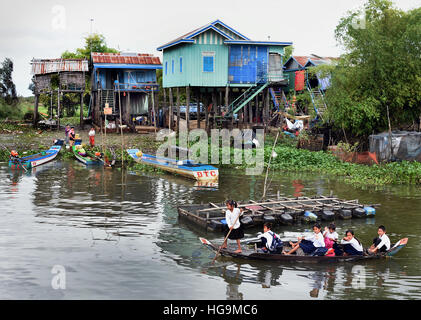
[288,159]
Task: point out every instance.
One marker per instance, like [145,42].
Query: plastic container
[370,211]
[286,219]
[328,215]
[359,213]
[310,216]
[345,214]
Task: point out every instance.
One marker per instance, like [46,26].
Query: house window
[172,66]
[166,67]
[181,65]
[208,61]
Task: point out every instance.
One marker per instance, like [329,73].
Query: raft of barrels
[282,211]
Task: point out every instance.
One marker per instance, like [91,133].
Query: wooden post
[178,109]
[245,113]
[266,113]
[256,111]
[36,109]
[81,110]
[58,109]
[128,111]
[171,112]
[154,110]
[199,99]
[188,108]
[214,107]
[206,115]
[250,113]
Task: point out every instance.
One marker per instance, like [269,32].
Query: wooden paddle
[216,256]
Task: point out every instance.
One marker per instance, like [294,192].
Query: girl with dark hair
[310,244]
[235,230]
[351,246]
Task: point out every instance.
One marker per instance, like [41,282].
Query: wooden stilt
[188,108]
[178,109]
[36,109]
[206,103]
[266,112]
[171,112]
[199,99]
[250,118]
[256,109]
[58,109]
[81,111]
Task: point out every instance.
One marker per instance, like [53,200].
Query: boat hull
[86,160]
[199,172]
[36,159]
[250,254]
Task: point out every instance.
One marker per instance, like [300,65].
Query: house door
[275,67]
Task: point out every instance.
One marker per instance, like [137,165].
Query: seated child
[271,242]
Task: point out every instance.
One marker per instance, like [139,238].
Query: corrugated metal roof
[117,58]
[45,66]
[302,60]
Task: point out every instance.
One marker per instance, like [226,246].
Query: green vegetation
[380,69]
[93,43]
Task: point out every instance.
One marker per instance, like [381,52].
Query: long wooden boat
[186,168]
[38,159]
[282,211]
[85,158]
[253,254]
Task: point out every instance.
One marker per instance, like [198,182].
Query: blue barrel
[310,216]
[370,211]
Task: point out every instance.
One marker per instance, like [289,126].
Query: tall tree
[7,87]
[381,68]
[93,43]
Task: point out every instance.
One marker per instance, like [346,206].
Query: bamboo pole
[270,160]
[121,123]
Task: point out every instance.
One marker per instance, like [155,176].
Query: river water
[71,232]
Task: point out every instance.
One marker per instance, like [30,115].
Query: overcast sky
[37,29]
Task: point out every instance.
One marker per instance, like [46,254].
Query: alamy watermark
[58,21]
[58,282]
[248,147]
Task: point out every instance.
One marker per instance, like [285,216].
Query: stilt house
[123,80]
[215,61]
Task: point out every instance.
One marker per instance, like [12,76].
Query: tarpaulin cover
[299,80]
[405,146]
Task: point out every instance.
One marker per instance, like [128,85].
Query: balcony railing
[139,87]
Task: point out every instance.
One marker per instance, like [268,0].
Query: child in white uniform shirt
[310,244]
[382,242]
[232,217]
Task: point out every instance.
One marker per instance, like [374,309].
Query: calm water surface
[118,236]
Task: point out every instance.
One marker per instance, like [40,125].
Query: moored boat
[186,168]
[253,254]
[83,156]
[37,159]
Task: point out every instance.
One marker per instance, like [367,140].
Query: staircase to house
[279,99]
[245,98]
[318,100]
[108,97]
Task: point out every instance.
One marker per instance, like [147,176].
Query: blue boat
[186,168]
[38,159]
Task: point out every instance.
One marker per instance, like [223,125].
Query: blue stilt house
[123,79]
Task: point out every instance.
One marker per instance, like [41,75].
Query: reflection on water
[118,236]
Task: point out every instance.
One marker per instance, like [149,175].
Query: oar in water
[226,238]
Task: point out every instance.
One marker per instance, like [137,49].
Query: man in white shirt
[382,242]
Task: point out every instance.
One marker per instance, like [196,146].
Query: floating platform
[282,211]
